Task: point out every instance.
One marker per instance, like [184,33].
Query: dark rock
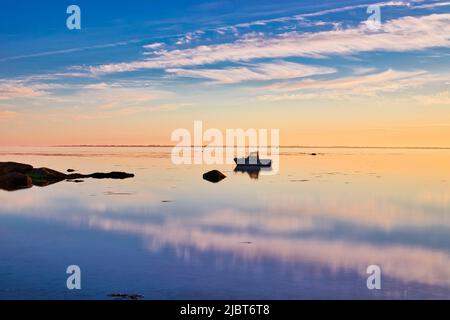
[15,181]
[14,176]
[71,170]
[313,154]
[111,175]
[45,176]
[8,167]
[101,175]
[214,176]
[76,180]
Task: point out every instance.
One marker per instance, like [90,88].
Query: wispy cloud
[108,112]
[114,95]
[363,70]
[302,18]
[388,80]
[70,50]
[10,89]
[258,72]
[193,35]
[398,35]
[364,85]
[190,37]
[438,98]
[155,45]
[432,5]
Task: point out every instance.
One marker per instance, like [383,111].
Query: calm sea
[308,232]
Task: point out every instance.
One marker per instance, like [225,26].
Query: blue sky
[176,60]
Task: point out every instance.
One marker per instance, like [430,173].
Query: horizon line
[232,146]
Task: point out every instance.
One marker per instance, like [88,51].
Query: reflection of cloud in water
[401,262]
[437,199]
[387,214]
[382,213]
[227,218]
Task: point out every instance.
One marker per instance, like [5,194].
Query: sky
[136,71]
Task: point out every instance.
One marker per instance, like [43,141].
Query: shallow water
[309,231]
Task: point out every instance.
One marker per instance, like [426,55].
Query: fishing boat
[253,160]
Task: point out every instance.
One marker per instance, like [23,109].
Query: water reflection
[252,171]
[400,261]
[237,237]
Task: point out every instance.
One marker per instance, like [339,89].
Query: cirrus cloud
[259,72]
[363,85]
[397,35]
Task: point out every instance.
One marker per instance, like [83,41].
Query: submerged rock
[75,181]
[111,175]
[14,176]
[214,176]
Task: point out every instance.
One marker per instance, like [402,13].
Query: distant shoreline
[192,146]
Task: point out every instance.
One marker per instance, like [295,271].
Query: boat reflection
[253,171]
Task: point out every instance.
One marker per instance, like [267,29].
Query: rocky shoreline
[16,176]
